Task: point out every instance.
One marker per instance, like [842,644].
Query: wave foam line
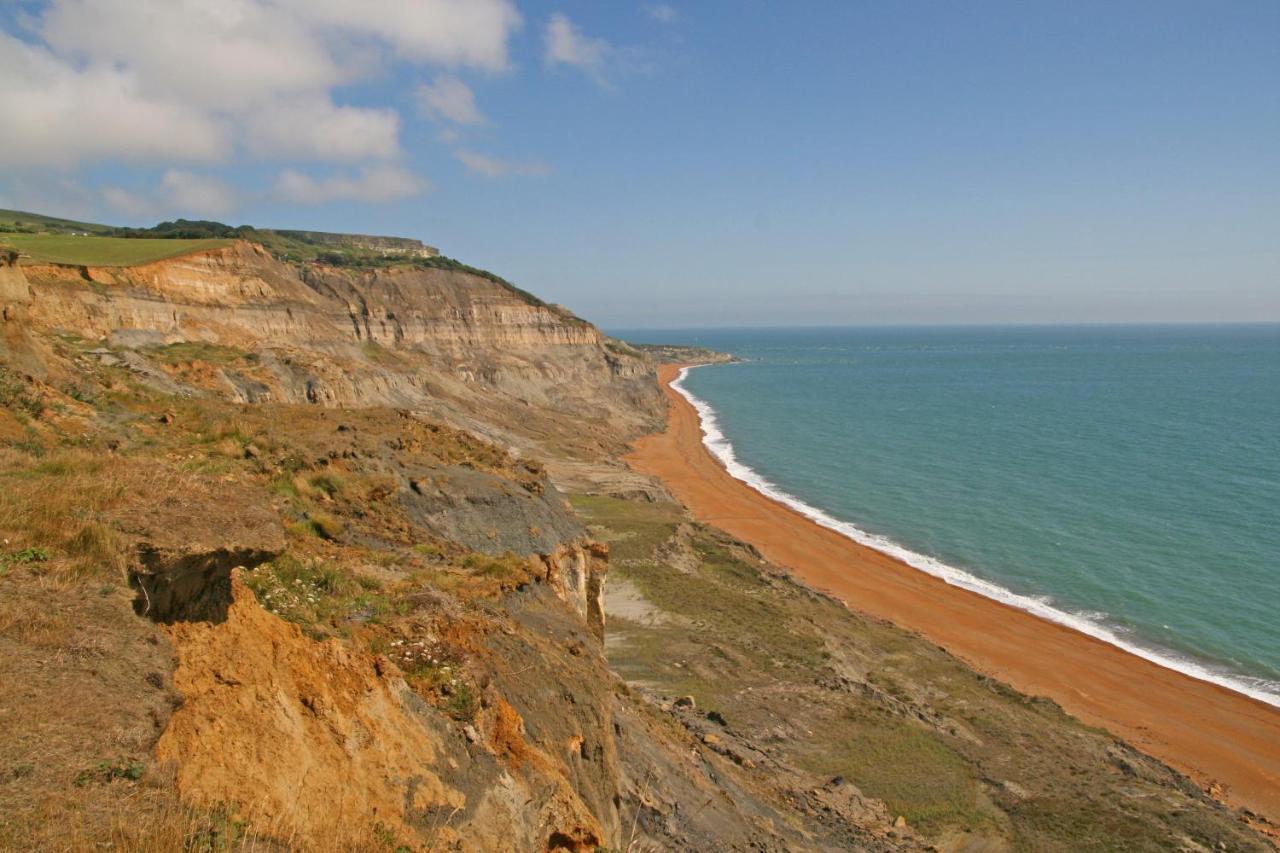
[1256,688]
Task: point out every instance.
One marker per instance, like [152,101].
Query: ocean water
[1122,480]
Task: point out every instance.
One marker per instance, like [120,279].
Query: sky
[695,163]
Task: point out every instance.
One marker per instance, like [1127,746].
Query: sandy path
[1213,734]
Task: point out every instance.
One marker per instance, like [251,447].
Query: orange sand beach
[1226,741]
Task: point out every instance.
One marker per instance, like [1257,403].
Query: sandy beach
[1225,741]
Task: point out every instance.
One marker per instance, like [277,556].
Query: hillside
[324,556]
[54,240]
[24,222]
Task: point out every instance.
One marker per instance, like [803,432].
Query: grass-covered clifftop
[346,560]
[99,251]
[55,240]
[48,239]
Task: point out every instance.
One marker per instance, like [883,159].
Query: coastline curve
[719,446]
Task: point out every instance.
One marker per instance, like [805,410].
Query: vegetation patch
[909,767]
[103,251]
[53,508]
[314,593]
[26,555]
[17,395]
[24,222]
[109,770]
[188,351]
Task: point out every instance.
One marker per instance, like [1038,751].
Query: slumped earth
[270,581]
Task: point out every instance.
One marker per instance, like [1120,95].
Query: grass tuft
[325,526]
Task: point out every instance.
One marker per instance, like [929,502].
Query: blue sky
[694,163]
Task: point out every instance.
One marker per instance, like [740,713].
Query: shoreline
[1225,740]
[720,447]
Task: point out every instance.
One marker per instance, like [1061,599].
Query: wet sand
[1218,737]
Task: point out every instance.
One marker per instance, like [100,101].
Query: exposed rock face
[576,570]
[490,514]
[14,289]
[328,744]
[401,336]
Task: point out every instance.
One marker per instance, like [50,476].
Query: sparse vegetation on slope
[793,684]
[337,625]
[105,504]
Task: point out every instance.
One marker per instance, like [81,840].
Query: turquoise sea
[1121,479]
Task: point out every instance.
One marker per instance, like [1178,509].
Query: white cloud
[180,193]
[182,81]
[450,99]
[57,115]
[661,12]
[374,184]
[492,167]
[215,54]
[314,128]
[565,44]
[130,204]
[449,32]
[199,195]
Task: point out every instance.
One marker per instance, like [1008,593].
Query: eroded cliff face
[457,697]
[452,343]
[328,741]
[14,290]
[274,612]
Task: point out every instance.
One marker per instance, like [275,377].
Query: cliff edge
[314,557]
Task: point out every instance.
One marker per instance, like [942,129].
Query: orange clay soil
[1227,742]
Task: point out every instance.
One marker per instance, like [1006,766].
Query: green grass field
[102,251]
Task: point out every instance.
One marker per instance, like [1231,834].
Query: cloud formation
[203,82]
[493,167]
[60,116]
[449,99]
[565,44]
[186,192]
[314,128]
[661,12]
[374,184]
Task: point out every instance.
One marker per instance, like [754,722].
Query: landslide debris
[279,569]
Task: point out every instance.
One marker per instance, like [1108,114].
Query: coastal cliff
[313,557]
[405,336]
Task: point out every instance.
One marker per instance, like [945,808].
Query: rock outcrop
[446,341]
[14,290]
[327,742]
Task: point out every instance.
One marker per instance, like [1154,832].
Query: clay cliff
[301,557]
[437,340]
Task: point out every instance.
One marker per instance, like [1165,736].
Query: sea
[1123,480]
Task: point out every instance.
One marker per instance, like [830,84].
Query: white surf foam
[1092,624]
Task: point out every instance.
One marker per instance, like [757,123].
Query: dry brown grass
[25,621]
[72,503]
[55,503]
